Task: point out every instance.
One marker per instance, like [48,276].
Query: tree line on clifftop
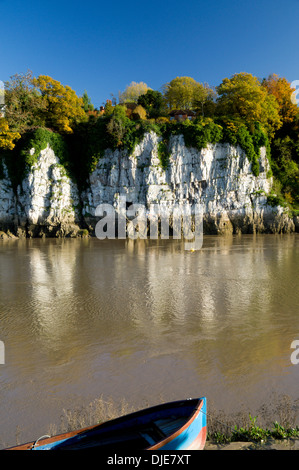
[243,110]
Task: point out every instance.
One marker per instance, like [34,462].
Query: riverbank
[269,444]
[74,231]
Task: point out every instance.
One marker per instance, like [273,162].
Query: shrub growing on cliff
[21,158]
[237,133]
[196,134]
[245,141]
[117,125]
[201,133]
[286,169]
[163,154]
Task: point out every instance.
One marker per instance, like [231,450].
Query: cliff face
[45,204]
[219,178]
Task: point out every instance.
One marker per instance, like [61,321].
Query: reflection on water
[144,320]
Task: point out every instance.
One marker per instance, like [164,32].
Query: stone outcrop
[46,203]
[218,178]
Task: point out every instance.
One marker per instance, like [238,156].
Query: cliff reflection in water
[233,292]
[146,319]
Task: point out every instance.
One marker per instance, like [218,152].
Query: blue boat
[179,425]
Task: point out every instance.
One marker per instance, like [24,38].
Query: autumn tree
[132,92]
[243,97]
[285,144]
[62,107]
[205,102]
[108,108]
[281,89]
[184,93]
[7,136]
[23,104]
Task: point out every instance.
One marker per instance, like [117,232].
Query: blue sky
[102,46]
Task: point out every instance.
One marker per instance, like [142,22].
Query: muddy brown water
[145,321]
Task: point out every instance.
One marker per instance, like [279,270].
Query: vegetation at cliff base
[242,110]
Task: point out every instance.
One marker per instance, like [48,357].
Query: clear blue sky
[102,46]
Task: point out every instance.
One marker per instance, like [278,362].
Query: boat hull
[180,425]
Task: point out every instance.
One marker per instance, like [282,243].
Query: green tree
[23,104]
[87,104]
[184,93]
[152,101]
[243,97]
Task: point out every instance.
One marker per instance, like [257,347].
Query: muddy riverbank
[271,444]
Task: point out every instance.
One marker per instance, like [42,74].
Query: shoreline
[269,444]
[9,235]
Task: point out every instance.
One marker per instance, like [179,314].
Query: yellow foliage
[132,92]
[244,97]
[7,137]
[289,198]
[281,89]
[186,93]
[62,106]
[139,113]
[162,119]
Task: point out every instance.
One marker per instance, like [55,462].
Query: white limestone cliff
[45,203]
[218,178]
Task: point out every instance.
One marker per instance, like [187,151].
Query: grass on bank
[275,420]
[222,428]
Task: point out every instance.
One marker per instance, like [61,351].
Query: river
[144,321]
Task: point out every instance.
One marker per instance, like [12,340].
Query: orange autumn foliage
[281,89]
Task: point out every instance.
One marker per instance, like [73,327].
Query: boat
[178,425]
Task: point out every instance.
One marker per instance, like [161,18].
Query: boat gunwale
[179,431]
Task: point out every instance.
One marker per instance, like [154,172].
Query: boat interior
[138,437]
